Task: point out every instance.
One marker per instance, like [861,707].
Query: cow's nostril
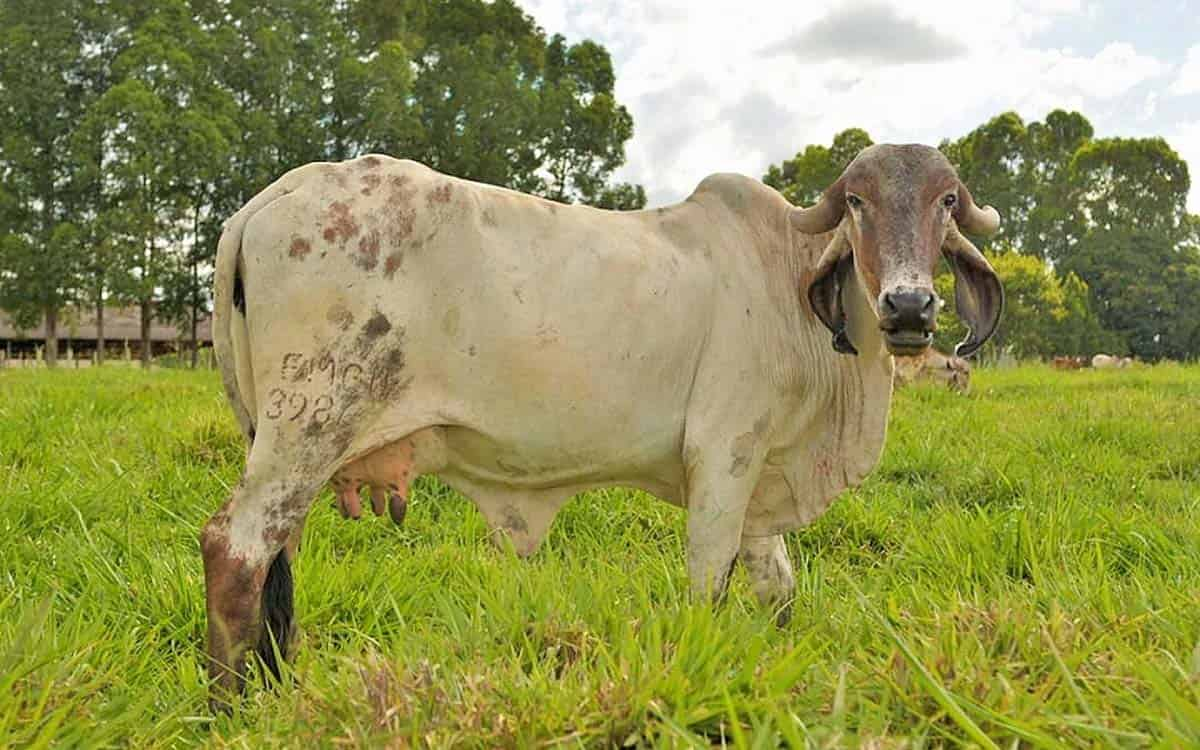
[908,309]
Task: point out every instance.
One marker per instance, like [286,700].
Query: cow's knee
[770,573]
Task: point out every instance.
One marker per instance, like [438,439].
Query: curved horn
[983,221]
[825,215]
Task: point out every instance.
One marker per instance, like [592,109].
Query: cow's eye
[854,200]
[949,200]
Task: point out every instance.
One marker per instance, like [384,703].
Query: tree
[43,93]
[494,100]
[803,178]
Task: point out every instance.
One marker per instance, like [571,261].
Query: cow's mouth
[907,343]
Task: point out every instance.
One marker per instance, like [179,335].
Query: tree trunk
[51,337]
[195,338]
[195,295]
[146,309]
[100,329]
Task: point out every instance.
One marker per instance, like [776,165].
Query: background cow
[932,365]
[1111,362]
[376,320]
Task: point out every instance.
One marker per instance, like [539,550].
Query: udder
[387,472]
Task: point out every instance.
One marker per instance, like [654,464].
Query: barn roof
[79,324]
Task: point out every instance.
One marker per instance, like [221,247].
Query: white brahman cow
[376,320]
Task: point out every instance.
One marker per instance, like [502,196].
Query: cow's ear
[825,291]
[978,294]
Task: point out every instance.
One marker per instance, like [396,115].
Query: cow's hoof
[397,507]
[783,615]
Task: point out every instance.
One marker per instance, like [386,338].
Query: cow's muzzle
[908,318]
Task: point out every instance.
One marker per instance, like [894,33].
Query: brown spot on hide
[335,175]
[489,217]
[401,225]
[370,182]
[742,450]
[514,521]
[376,327]
[368,251]
[387,380]
[440,194]
[339,223]
[371,162]
[397,213]
[340,317]
[299,248]
[393,263]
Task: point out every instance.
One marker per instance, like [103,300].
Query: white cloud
[1186,142]
[705,98]
[1188,81]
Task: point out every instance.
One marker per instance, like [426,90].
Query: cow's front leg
[248,579]
[718,494]
[770,573]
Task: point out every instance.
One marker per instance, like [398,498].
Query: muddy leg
[248,579]
[770,573]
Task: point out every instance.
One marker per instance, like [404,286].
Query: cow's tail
[231,344]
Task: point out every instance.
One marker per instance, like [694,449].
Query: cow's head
[896,209]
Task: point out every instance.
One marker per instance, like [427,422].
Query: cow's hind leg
[248,576]
[770,573]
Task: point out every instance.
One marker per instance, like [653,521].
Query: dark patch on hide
[299,248]
[377,326]
[340,224]
[394,263]
[340,317]
[370,182]
[368,251]
[440,194]
[514,521]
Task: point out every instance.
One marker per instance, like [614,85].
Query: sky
[733,87]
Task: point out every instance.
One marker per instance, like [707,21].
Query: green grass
[1023,569]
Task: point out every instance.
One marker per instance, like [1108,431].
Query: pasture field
[1023,570]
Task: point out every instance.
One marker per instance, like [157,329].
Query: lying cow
[376,320]
[932,365]
[1068,362]
[1111,362]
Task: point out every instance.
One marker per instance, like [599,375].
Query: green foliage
[146,124]
[43,92]
[978,577]
[804,178]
